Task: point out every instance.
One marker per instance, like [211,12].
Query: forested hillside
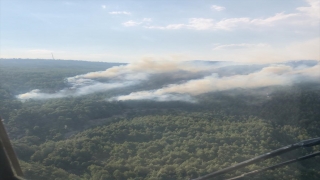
[91,137]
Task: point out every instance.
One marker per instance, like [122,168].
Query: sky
[256,31]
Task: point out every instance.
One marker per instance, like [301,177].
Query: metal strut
[9,161]
[285,149]
[277,165]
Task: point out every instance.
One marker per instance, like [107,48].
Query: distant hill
[20,75]
[301,63]
[46,63]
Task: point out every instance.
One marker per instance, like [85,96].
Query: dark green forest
[89,138]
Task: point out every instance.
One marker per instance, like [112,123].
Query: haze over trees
[153,125]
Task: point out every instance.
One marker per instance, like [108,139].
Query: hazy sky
[131,30]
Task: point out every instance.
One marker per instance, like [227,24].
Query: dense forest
[90,138]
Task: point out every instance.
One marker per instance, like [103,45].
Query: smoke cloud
[207,84]
[268,76]
[75,90]
[180,81]
[142,69]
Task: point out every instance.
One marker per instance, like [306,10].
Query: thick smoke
[141,70]
[117,77]
[268,76]
[75,90]
[181,81]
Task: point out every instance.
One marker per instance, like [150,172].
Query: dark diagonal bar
[285,149]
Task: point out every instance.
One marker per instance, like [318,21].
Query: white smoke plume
[268,76]
[140,70]
[75,90]
[198,77]
[154,95]
[120,76]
